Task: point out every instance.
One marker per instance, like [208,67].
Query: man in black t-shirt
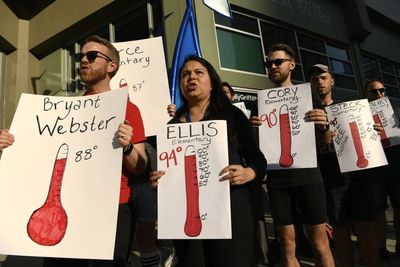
[388,183]
[290,189]
[340,191]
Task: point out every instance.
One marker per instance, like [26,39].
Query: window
[386,71]
[371,68]
[239,44]
[240,52]
[243,32]
[239,22]
[130,26]
[271,35]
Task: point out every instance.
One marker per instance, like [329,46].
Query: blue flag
[186,44]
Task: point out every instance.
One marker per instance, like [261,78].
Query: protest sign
[356,142]
[192,201]
[143,71]
[60,180]
[242,107]
[383,113]
[286,139]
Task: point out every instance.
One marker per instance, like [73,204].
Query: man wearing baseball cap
[340,191]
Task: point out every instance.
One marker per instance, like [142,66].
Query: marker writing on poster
[346,107]
[340,137]
[271,119]
[85,154]
[64,122]
[135,87]
[133,55]
[204,167]
[191,130]
[282,94]
[384,138]
[170,156]
[294,120]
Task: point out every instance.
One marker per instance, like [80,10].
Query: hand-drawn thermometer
[286,159]
[193,221]
[47,225]
[362,162]
[384,139]
[123,83]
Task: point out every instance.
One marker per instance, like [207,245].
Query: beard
[93,75]
[278,77]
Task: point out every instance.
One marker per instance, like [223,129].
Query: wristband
[128,149]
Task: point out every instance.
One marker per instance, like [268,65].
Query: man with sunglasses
[99,62]
[389,181]
[293,189]
[342,194]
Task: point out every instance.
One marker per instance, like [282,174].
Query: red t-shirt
[135,119]
[132,115]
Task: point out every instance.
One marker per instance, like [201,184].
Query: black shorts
[392,181]
[368,194]
[338,201]
[309,199]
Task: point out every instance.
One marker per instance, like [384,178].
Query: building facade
[358,39]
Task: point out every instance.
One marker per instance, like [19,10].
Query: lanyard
[187,115]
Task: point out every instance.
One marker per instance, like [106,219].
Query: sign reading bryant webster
[60,179]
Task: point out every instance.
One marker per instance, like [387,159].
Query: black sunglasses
[91,56]
[380,90]
[277,62]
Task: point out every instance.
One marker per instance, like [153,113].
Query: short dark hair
[226,84]
[284,47]
[114,52]
[370,82]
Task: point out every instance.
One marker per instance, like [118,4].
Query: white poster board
[66,155]
[286,139]
[143,71]
[383,113]
[192,201]
[242,107]
[356,142]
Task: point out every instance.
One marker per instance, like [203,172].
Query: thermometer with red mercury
[193,221]
[47,225]
[286,159]
[362,162]
[384,139]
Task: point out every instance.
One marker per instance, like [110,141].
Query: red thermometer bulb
[47,225]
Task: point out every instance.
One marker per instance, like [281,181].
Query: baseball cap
[320,67]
